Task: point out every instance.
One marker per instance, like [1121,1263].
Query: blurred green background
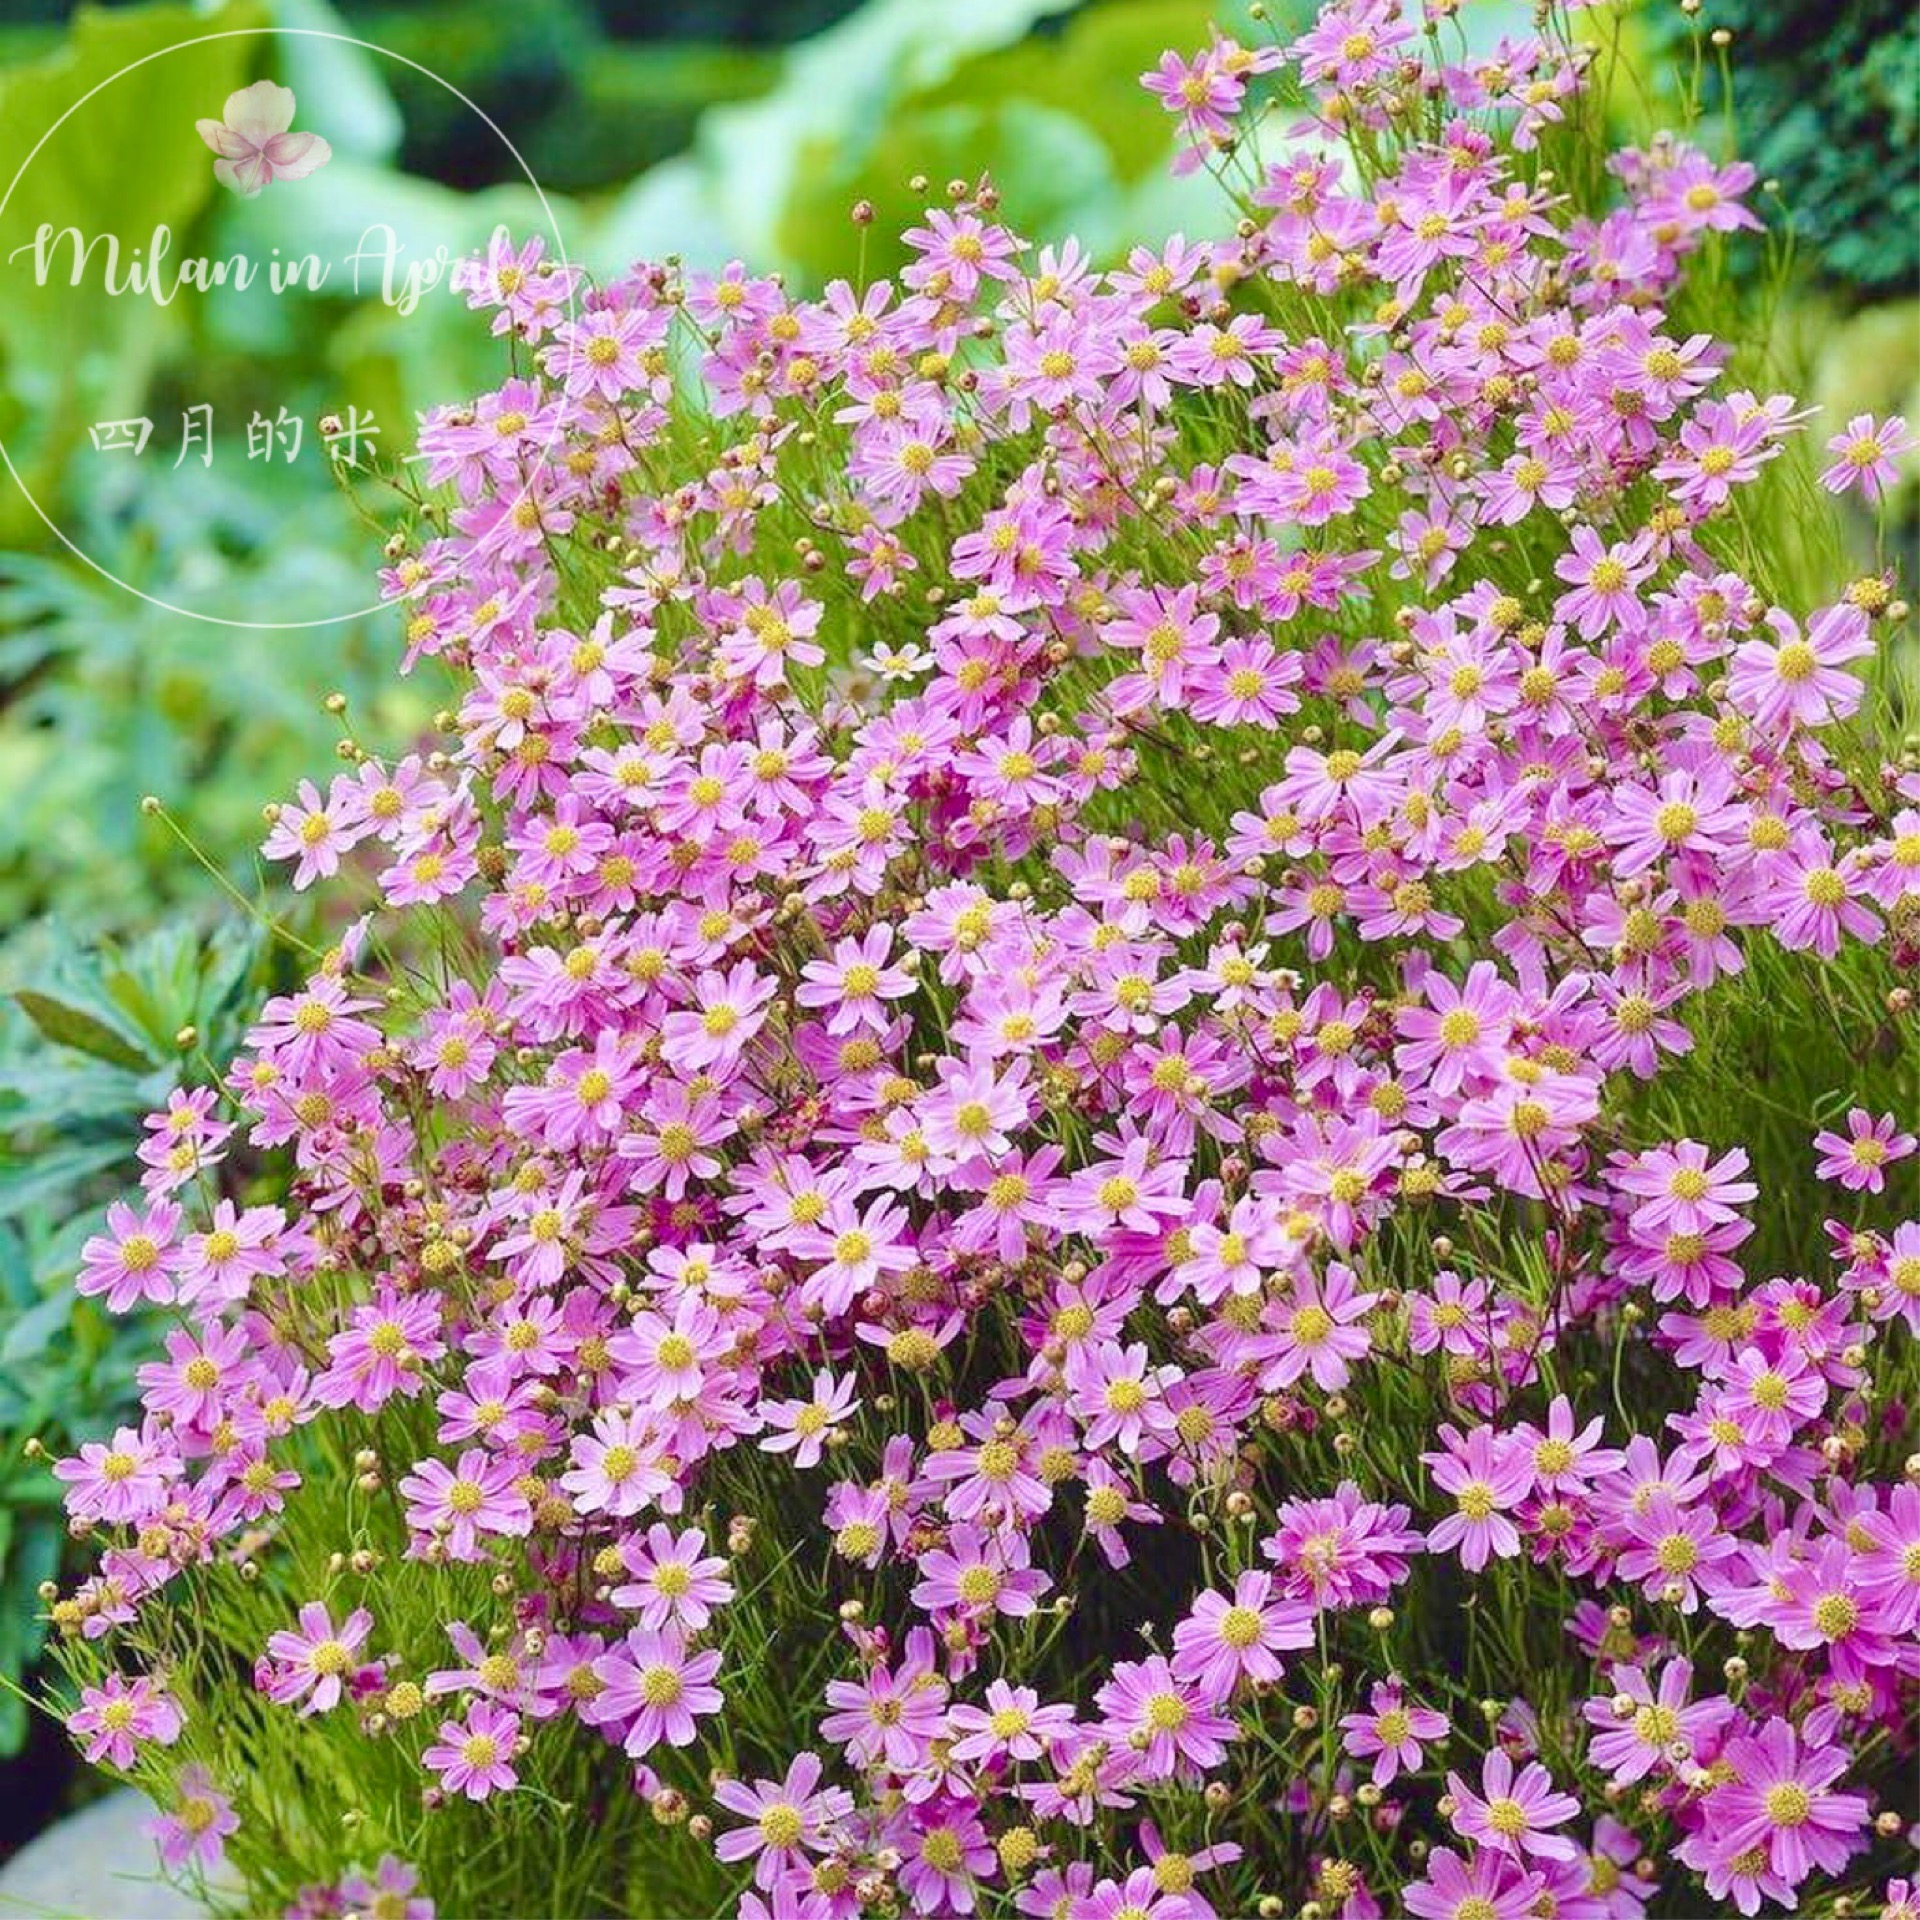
[711,129]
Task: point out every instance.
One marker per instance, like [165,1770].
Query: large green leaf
[837,94]
[68,1025]
[1091,70]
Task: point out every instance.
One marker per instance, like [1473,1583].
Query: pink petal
[246,177]
[223,140]
[260,111]
[295,155]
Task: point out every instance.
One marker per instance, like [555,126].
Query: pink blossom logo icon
[254,144]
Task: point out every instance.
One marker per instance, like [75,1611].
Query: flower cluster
[1047,955]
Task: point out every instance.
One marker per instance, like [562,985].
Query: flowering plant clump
[1125,1130]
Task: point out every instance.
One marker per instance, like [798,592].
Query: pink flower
[253,143]
[119,1713]
[1858,1159]
[855,984]
[1682,1189]
[193,1832]
[788,1818]
[388,1893]
[1782,1801]
[675,1582]
[730,1008]
[453,1506]
[1223,1641]
[616,1468]
[1676,1552]
[1868,455]
[945,1850]
[121,1481]
[1605,580]
[136,1259]
[476,1758]
[891,1714]
[1563,1459]
[315,1663]
[1488,1474]
[1013,1725]
[802,1426]
[1120,1396]
[387,1345]
[1512,1813]
[1801,682]
[1319,1331]
[1486,1885]
[853,1250]
[1392,1730]
[657,1687]
[980,1573]
[1640,1730]
[1182,1733]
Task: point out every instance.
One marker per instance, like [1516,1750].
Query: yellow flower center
[1789,1804]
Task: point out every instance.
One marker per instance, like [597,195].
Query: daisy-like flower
[136,1259]
[1867,455]
[1121,1396]
[193,1831]
[657,1687]
[729,1009]
[1392,1730]
[1858,1159]
[802,1427]
[1675,1552]
[452,1507]
[315,1662]
[1139,1894]
[854,1250]
[855,985]
[978,1572]
[891,1714]
[787,1819]
[1681,1188]
[476,1757]
[1486,1885]
[1488,1474]
[616,1468]
[1013,1725]
[1820,1603]
[115,1717]
[945,1850]
[1565,1458]
[389,1892]
[313,833]
[1604,581]
[1225,1640]
[1319,1331]
[1771,1399]
[675,1580]
[1802,680]
[1171,1723]
[1513,1813]
[119,1481]
[1640,1728]
[1782,1801]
